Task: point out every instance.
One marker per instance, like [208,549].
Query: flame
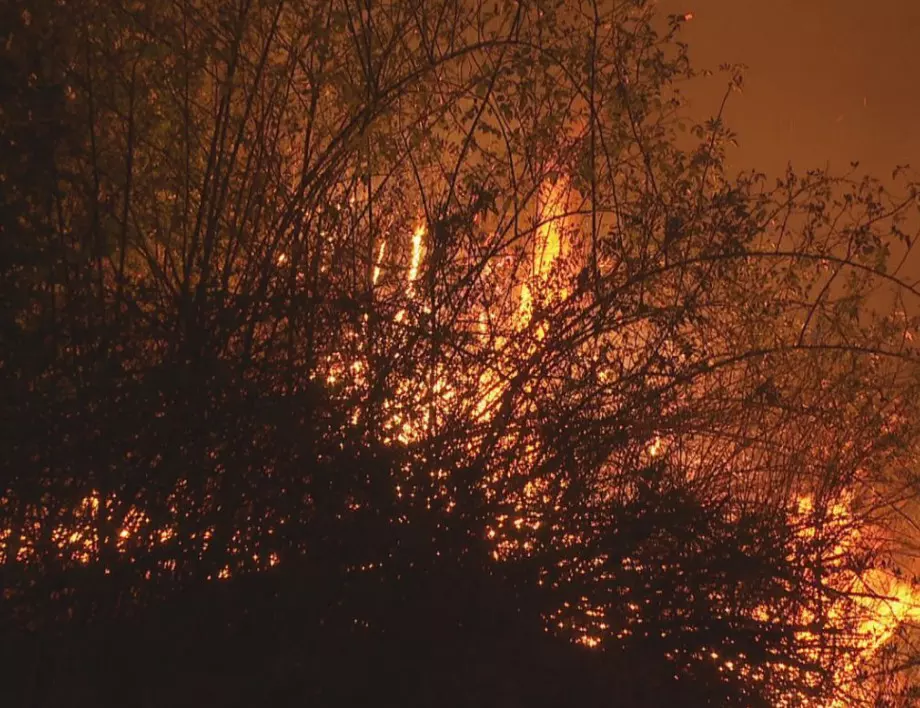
[376,274]
[418,246]
[885,601]
[548,247]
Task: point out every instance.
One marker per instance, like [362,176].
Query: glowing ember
[884,600]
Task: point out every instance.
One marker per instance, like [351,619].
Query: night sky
[828,80]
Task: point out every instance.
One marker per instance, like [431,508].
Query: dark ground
[279,640]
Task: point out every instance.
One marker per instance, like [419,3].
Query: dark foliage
[412,353]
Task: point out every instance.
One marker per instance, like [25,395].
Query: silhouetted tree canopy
[427,353]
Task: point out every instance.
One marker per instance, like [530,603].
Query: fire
[380,253]
[418,237]
[418,253]
[885,601]
[547,249]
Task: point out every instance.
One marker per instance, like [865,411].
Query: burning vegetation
[363,289]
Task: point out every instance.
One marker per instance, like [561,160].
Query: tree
[377,287]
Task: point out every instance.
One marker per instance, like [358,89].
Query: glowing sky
[828,81]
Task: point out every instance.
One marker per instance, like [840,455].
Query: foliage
[359,286]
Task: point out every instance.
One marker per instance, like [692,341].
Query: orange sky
[828,81]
